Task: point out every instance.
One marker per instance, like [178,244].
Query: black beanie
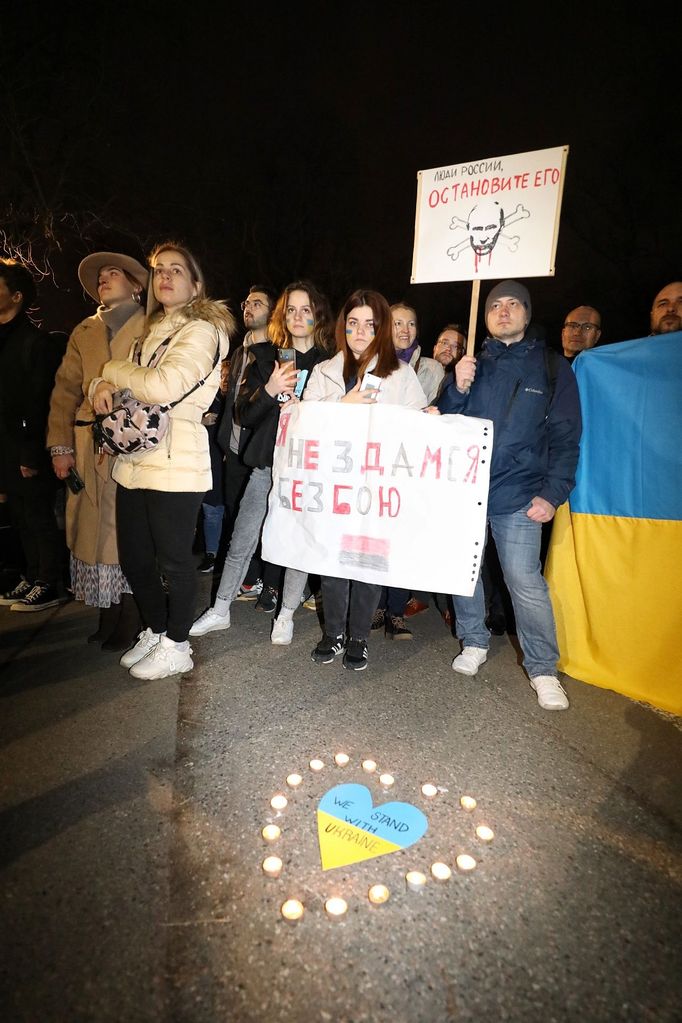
[509,289]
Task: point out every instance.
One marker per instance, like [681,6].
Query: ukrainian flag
[615,561]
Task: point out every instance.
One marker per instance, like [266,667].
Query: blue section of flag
[631,449]
[400,823]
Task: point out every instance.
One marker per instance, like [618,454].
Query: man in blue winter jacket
[531,396]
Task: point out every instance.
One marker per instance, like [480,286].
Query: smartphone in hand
[287,355]
[371,381]
[74,482]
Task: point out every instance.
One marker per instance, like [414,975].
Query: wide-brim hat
[90,267]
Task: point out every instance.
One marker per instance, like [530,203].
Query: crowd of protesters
[131,522]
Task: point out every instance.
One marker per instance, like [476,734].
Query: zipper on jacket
[511,401]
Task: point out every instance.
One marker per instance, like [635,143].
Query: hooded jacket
[536,434]
[181,462]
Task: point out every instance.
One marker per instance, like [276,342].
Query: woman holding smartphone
[364,370]
[300,337]
[117,283]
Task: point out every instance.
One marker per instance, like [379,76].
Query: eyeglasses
[584,328]
[452,345]
[253,303]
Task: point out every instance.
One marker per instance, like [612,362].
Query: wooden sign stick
[473,313]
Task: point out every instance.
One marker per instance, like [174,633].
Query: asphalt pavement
[130,847]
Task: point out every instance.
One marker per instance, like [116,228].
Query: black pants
[345,598]
[393,600]
[155,536]
[32,513]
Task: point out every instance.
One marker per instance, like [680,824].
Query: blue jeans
[518,545]
[213,526]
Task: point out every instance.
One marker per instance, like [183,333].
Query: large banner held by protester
[381,494]
[491,218]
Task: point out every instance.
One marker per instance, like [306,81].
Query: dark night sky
[287,144]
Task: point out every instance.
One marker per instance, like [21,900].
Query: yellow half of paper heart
[341,843]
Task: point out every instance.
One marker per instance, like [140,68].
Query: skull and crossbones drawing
[484,227]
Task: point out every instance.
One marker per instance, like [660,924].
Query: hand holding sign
[465,373]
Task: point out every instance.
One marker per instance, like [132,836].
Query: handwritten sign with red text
[381,494]
[489,219]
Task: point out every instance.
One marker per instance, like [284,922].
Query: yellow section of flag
[616,587]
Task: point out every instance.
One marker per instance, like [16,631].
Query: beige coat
[429,372]
[90,515]
[181,461]
[399,388]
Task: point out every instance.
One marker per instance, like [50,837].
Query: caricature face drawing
[484,225]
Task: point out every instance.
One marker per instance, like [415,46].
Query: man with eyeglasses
[531,395]
[449,348]
[581,330]
[666,311]
[256,309]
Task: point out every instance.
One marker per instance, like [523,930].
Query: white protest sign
[492,218]
[381,494]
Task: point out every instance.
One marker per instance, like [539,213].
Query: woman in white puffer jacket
[160,490]
[364,370]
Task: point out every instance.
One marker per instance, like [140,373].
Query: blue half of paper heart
[399,823]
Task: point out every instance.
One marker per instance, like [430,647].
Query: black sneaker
[268,600]
[379,619]
[396,628]
[22,589]
[327,649]
[207,564]
[39,598]
[355,657]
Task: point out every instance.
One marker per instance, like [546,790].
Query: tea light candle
[271,832]
[369,766]
[378,894]
[386,780]
[292,910]
[279,802]
[294,780]
[316,765]
[272,866]
[415,880]
[429,790]
[467,803]
[485,833]
[440,871]
[465,862]
[335,907]
[341,759]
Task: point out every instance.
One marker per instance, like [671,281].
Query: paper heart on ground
[350,828]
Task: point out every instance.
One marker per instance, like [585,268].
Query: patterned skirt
[98,585]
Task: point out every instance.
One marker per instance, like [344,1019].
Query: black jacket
[256,410]
[28,362]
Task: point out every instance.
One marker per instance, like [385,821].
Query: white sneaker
[551,693]
[470,660]
[164,659]
[210,621]
[146,641]
[282,631]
